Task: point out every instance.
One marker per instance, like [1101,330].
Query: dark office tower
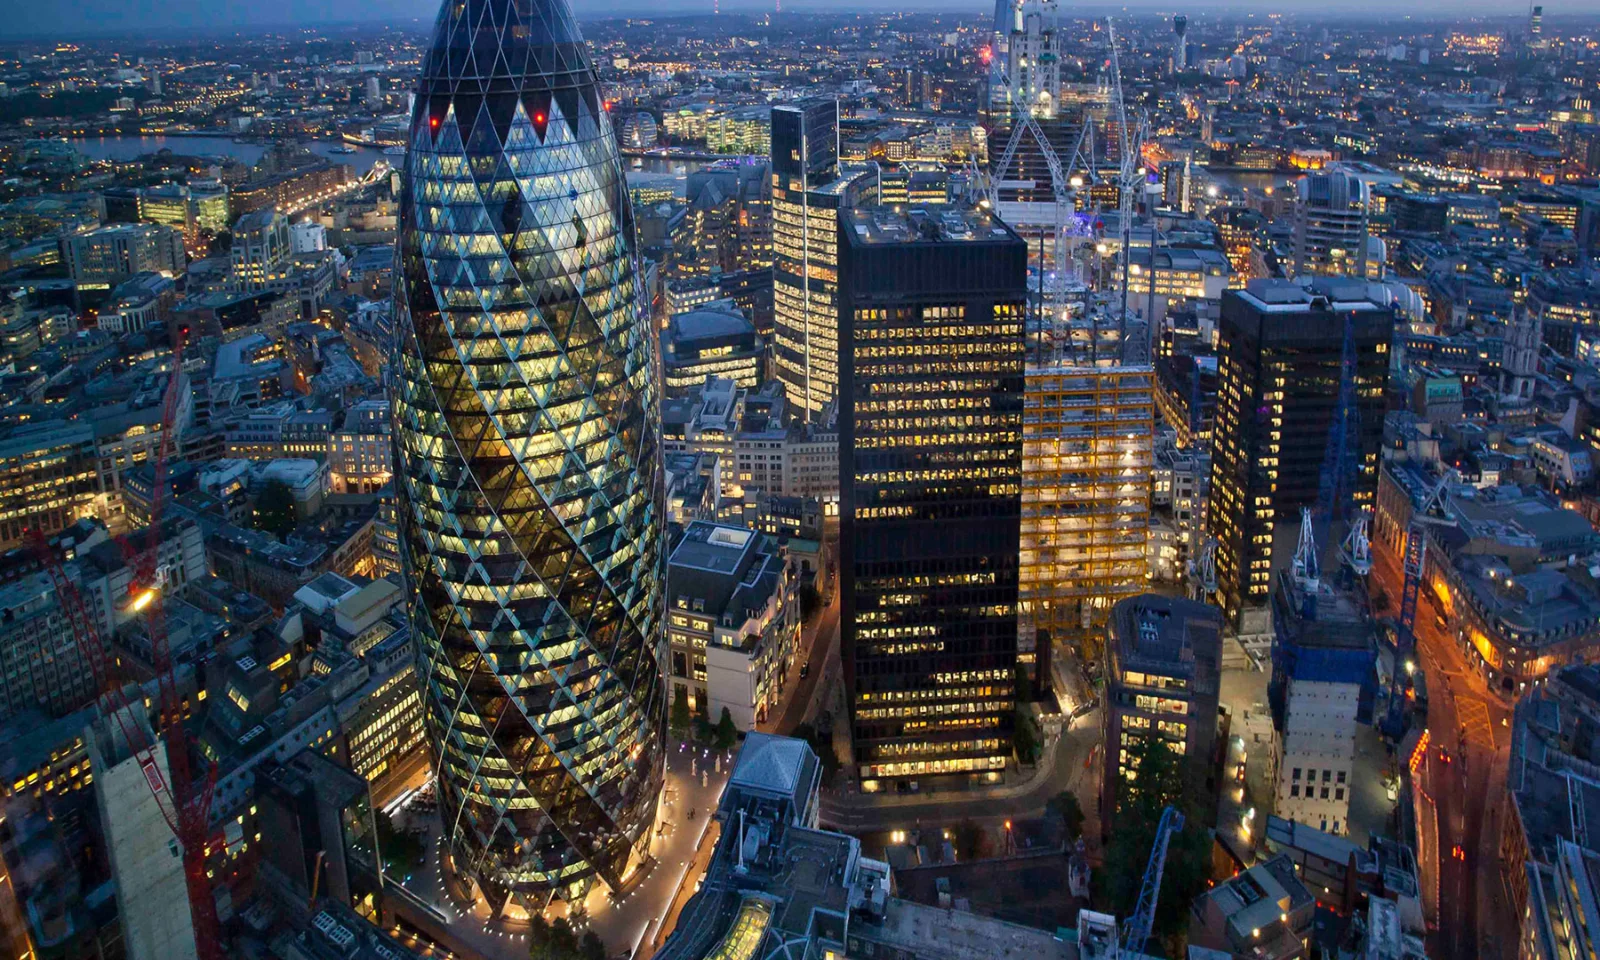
[805,142]
[1280,349]
[528,468]
[930,461]
[808,191]
[1180,43]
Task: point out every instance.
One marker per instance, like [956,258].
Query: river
[130,147]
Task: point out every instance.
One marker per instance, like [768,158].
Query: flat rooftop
[924,223]
[1287,296]
[712,546]
[1159,632]
[925,931]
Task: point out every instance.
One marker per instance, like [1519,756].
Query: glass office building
[930,475]
[528,459]
[808,191]
[1280,352]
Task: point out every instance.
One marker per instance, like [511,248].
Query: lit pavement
[694,782]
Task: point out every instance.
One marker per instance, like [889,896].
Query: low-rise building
[1181,273]
[110,255]
[1264,913]
[716,340]
[48,478]
[1163,674]
[733,621]
[41,665]
[1508,566]
[1343,876]
[759,450]
[778,884]
[106,578]
[308,482]
[361,453]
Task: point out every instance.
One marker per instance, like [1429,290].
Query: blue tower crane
[1336,483]
[1137,931]
[1416,552]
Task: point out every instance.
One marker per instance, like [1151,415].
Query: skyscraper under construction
[528,473]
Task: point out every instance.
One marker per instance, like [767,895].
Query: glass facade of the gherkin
[528,459]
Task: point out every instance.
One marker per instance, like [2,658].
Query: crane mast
[1137,930]
[182,794]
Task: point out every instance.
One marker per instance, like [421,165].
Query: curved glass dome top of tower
[528,458]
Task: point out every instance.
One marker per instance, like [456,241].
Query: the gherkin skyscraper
[528,459]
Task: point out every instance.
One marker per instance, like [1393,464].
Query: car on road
[805,670]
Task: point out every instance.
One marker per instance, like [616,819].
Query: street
[818,641]
[1464,777]
[695,778]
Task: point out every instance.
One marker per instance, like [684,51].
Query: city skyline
[122,17]
[841,483]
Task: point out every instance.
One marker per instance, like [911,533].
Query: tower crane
[1430,513]
[1017,95]
[1336,485]
[1137,930]
[1130,181]
[1203,571]
[183,798]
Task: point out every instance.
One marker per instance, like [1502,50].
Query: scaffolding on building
[1088,448]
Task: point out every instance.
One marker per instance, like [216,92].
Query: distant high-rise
[528,470]
[1330,225]
[808,191]
[930,470]
[1180,43]
[1280,350]
[1536,23]
[805,142]
[261,252]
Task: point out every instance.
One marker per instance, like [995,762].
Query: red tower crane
[184,798]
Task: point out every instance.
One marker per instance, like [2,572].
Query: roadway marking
[1473,715]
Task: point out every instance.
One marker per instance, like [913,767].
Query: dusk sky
[111,16]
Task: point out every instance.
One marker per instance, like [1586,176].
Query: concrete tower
[1180,44]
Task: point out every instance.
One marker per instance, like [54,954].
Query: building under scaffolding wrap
[1087,447]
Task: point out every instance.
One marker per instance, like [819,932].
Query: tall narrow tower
[1180,44]
[1519,364]
[528,474]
